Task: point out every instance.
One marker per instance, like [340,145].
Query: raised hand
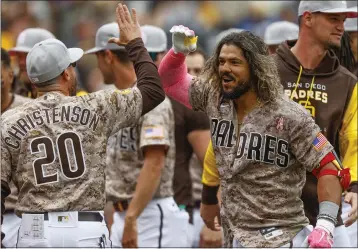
[129,28]
[184,39]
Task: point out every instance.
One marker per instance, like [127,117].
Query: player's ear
[108,56]
[66,74]
[11,76]
[307,18]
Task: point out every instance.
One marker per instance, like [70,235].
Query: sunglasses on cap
[74,64]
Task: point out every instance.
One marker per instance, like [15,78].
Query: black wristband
[209,195]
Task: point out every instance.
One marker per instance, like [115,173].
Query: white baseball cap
[104,33]
[350,25]
[326,7]
[155,38]
[48,59]
[281,31]
[224,33]
[28,38]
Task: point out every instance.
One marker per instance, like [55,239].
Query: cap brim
[75,54]
[350,12]
[19,50]
[93,50]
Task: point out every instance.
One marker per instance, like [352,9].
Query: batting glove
[184,39]
[322,235]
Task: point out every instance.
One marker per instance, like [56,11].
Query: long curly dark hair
[263,70]
[345,54]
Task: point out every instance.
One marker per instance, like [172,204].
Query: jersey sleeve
[118,108]
[348,137]
[307,143]
[199,94]
[210,172]
[155,125]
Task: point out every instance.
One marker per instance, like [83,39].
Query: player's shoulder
[11,116]
[164,108]
[112,94]
[19,100]
[347,74]
[290,109]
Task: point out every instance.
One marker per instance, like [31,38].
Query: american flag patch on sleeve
[319,142]
[153,132]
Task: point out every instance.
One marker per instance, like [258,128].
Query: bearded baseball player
[56,144]
[25,41]
[140,163]
[9,100]
[263,144]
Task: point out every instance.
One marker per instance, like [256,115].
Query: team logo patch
[319,142]
[153,132]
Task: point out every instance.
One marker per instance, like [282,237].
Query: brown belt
[121,206]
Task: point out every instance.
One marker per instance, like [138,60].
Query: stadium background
[75,22]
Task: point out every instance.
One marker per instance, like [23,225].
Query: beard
[240,89]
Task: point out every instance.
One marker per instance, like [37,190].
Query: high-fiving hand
[129,28]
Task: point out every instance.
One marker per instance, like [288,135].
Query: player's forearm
[148,80]
[174,77]
[147,183]
[329,187]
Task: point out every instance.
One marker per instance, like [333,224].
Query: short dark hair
[200,51]
[5,58]
[122,55]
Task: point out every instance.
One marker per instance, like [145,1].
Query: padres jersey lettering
[265,166]
[222,130]
[127,138]
[266,149]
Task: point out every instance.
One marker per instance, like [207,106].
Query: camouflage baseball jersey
[262,166]
[11,200]
[125,153]
[54,148]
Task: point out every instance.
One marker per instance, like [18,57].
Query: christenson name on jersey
[73,114]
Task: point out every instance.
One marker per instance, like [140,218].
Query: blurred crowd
[76,22]
[88,24]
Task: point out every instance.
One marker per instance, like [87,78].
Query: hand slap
[129,28]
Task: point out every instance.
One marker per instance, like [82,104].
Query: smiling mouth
[227,80]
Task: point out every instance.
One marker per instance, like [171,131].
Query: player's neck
[308,52]
[124,77]
[6,98]
[246,103]
[52,88]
